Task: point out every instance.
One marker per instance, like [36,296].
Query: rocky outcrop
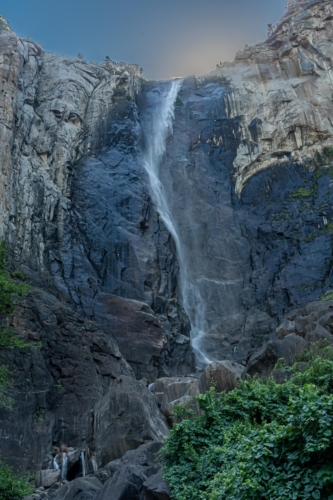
[173,391]
[124,418]
[71,367]
[137,475]
[262,363]
[281,90]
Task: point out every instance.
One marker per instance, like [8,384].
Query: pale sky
[166,37]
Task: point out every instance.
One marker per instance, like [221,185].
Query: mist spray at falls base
[158,128]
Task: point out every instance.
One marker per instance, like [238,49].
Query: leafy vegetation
[8,288]
[328,296]
[8,339]
[260,441]
[12,486]
[302,193]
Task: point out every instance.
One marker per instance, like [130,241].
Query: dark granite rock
[83,488]
[263,362]
[156,488]
[143,456]
[61,381]
[124,418]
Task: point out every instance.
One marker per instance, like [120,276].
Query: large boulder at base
[144,456]
[47,478]
[136,476]
[83,488]
[263,361]
[127,483]
[169,389]
[124,418]
[156,488]
[222,375]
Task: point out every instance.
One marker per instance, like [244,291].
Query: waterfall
[158,128]
[55,463]
[64,466]
[83,464]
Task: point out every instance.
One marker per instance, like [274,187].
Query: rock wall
[251,200]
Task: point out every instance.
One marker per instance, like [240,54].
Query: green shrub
[19,275]
[12,486]
[8,288]
[329,296]
[8,338]
[261,440]
[302,193]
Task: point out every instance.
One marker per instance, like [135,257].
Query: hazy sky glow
[166,37]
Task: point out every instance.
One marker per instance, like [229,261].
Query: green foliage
[8,288]
[329,296]
[302,193]
[12,486]
[19,275]
[5,384]
[259,441]
[8,338]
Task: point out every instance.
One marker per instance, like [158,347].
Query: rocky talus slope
[249,176]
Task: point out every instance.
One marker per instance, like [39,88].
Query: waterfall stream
[64,466]
[157,130]
[83,464]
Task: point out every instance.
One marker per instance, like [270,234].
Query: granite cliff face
[249,198]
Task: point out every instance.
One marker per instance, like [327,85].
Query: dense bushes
[260,441]
[12,486]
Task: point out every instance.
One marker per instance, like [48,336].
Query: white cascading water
[55,463]
[160,127]
[64,466]
[83,464]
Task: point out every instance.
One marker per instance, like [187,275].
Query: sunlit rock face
[282,90]
[251,204]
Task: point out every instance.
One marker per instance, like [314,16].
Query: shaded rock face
[61,381]
[124,418]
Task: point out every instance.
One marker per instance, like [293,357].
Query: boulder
[156,488]
[286,328]
[263,361]
[126,483]
[82,488]
[223,375]
[144,456]
[168,389]
[46,478]
[123,419]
